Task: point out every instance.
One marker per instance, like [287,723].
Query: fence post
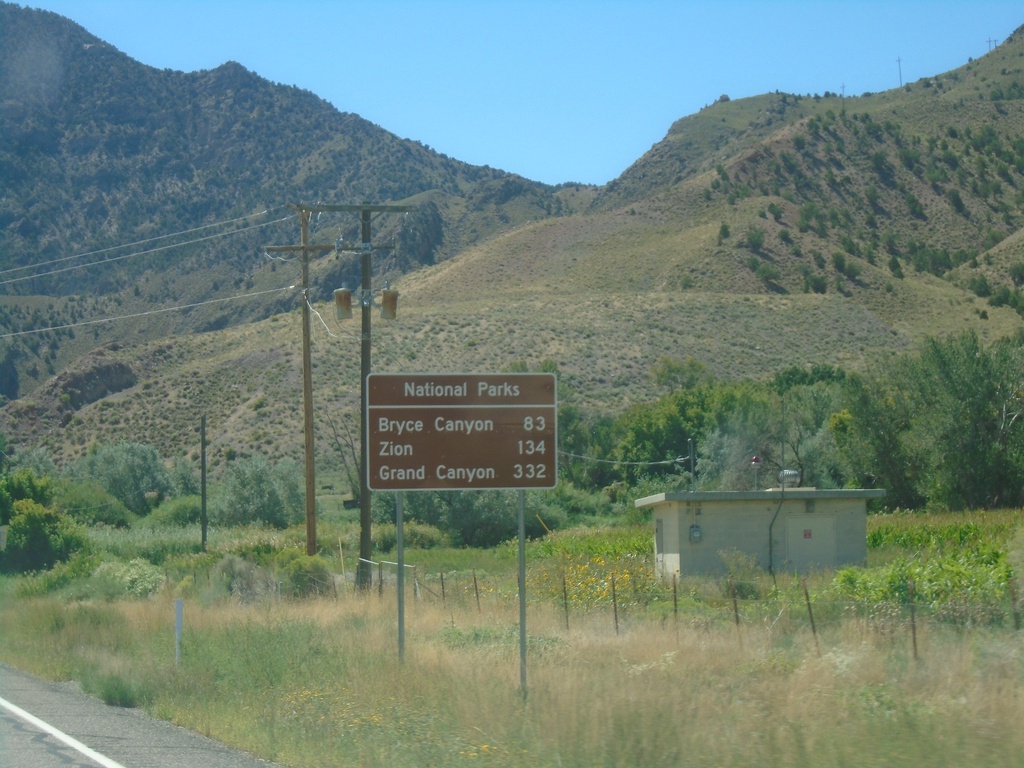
[615,606]
[913,617]
[1014,608]
[810,613]
[675,599]
[179,622]
[476,591]
[565,600]
[735,610]
[442,588]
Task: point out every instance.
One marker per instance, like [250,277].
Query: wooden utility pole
[364,574]
[203,520]
[307,367]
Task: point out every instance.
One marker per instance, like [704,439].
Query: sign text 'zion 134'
[461,431]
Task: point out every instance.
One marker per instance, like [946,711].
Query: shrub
[914,206]
[755,238]
[89,504]
[416,535]
[1017,273]
[22,484]
[39,537]
[182,511]
[955,200]
[306,575]
[242,579]
[79,567]
[115,690]
[472,518]
[768,272]
[137,579]
[38,460]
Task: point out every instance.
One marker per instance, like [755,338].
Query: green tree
[789,432]
[251,494]
[649,437]
[670,373]
[943,427]
[183,477]
[38,460]
[586,442]
[131,472]
[969,403]
[749,428]
[871,434]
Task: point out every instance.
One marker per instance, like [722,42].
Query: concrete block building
[785,530]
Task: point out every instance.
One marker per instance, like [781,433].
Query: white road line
[75,744]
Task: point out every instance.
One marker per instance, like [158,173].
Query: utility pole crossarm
[294,248]
[372,207]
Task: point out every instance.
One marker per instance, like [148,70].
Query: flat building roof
[769,494]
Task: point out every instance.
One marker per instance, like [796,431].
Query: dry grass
[318,683]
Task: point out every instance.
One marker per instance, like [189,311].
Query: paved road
[55,725]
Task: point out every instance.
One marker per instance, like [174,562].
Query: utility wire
[144,314]
[679,460]
[142,253]
[140,242]
[321,319]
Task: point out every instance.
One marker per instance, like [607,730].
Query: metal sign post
[522,592]
[400,546]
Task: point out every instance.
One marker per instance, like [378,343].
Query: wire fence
[721,607]
[621,603]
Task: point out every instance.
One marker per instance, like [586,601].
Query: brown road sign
[461,431]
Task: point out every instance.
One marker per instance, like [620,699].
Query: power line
[141,242]
[144,314]
[142,253]
[678,460]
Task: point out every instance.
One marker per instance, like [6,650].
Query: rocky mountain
[760,233]
[99,151]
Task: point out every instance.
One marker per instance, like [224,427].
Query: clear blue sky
[555,90]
